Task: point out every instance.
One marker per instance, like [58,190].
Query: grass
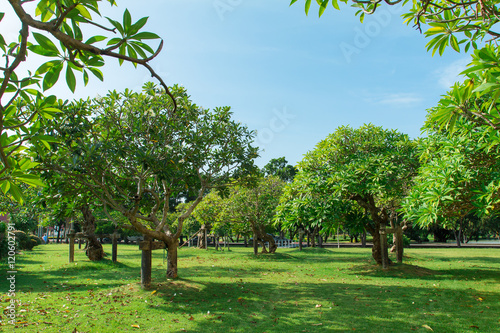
[316,290]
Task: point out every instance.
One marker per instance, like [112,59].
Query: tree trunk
[376,250]
[93,250]
[172,258]
[114,247]
[255,244]
[458,235]
[146,264]
[202,237]
[363,239]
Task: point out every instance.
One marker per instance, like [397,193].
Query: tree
[134,154]
[474,102]
[254,207]
[474,20]
[369,166]
[458,177]
[279,167]
[22,102]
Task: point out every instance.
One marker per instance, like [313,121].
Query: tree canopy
[133,153]
[370,166]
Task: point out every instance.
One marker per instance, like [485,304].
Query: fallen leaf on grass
[136,326]
[428,327]
[318,305]
[474,326]
[191,318]
[320,324]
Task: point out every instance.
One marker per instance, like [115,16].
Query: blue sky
[293,78]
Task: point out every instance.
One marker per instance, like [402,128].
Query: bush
[24,241]
[37,239]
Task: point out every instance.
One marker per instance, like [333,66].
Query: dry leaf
[318,305]
[320,324]
[428,327]
[136,326]
[154,291]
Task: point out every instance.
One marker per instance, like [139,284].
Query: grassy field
[316,290]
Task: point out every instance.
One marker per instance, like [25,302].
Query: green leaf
[322,7]
[308,5]
[97,73]
[38,49]
[85,78]
[84,12]
[454,43]
[335,4]
[117,25]
[127,20]
[70,79]
[292,2]
[32,180]
[145,35]
[95,39]
[52,76]
[485,86]
[16,193]
[44,68]
[45,42]
[137,26]
[5,186]
[1,16]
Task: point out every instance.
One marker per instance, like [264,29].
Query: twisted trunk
[93,250]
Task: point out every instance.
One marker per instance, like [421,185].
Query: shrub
[37,239]
[24,241]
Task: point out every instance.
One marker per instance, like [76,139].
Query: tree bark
[114,247]
[202,237]
[376,250]
[93,249]
[172,258]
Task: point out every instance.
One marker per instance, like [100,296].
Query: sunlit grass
[316,290]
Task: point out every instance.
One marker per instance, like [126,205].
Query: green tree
[134,154]
[279,167]
[62,31]
[458,177]
[369,166]
[253,208]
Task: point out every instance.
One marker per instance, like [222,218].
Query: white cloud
[400,99]
[448,75]
[393,99]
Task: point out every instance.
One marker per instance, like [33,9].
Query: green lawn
[316,290]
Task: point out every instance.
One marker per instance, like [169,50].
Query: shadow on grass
[313,307]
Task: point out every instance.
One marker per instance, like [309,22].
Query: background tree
[369,166]
[134,154]
[280,168]
[62,32]
[253,207]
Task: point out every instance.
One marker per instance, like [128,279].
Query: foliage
[457,177]
[369,167]
[472,21]
[133,153]
[24,241]
[278,167]
[61,32]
